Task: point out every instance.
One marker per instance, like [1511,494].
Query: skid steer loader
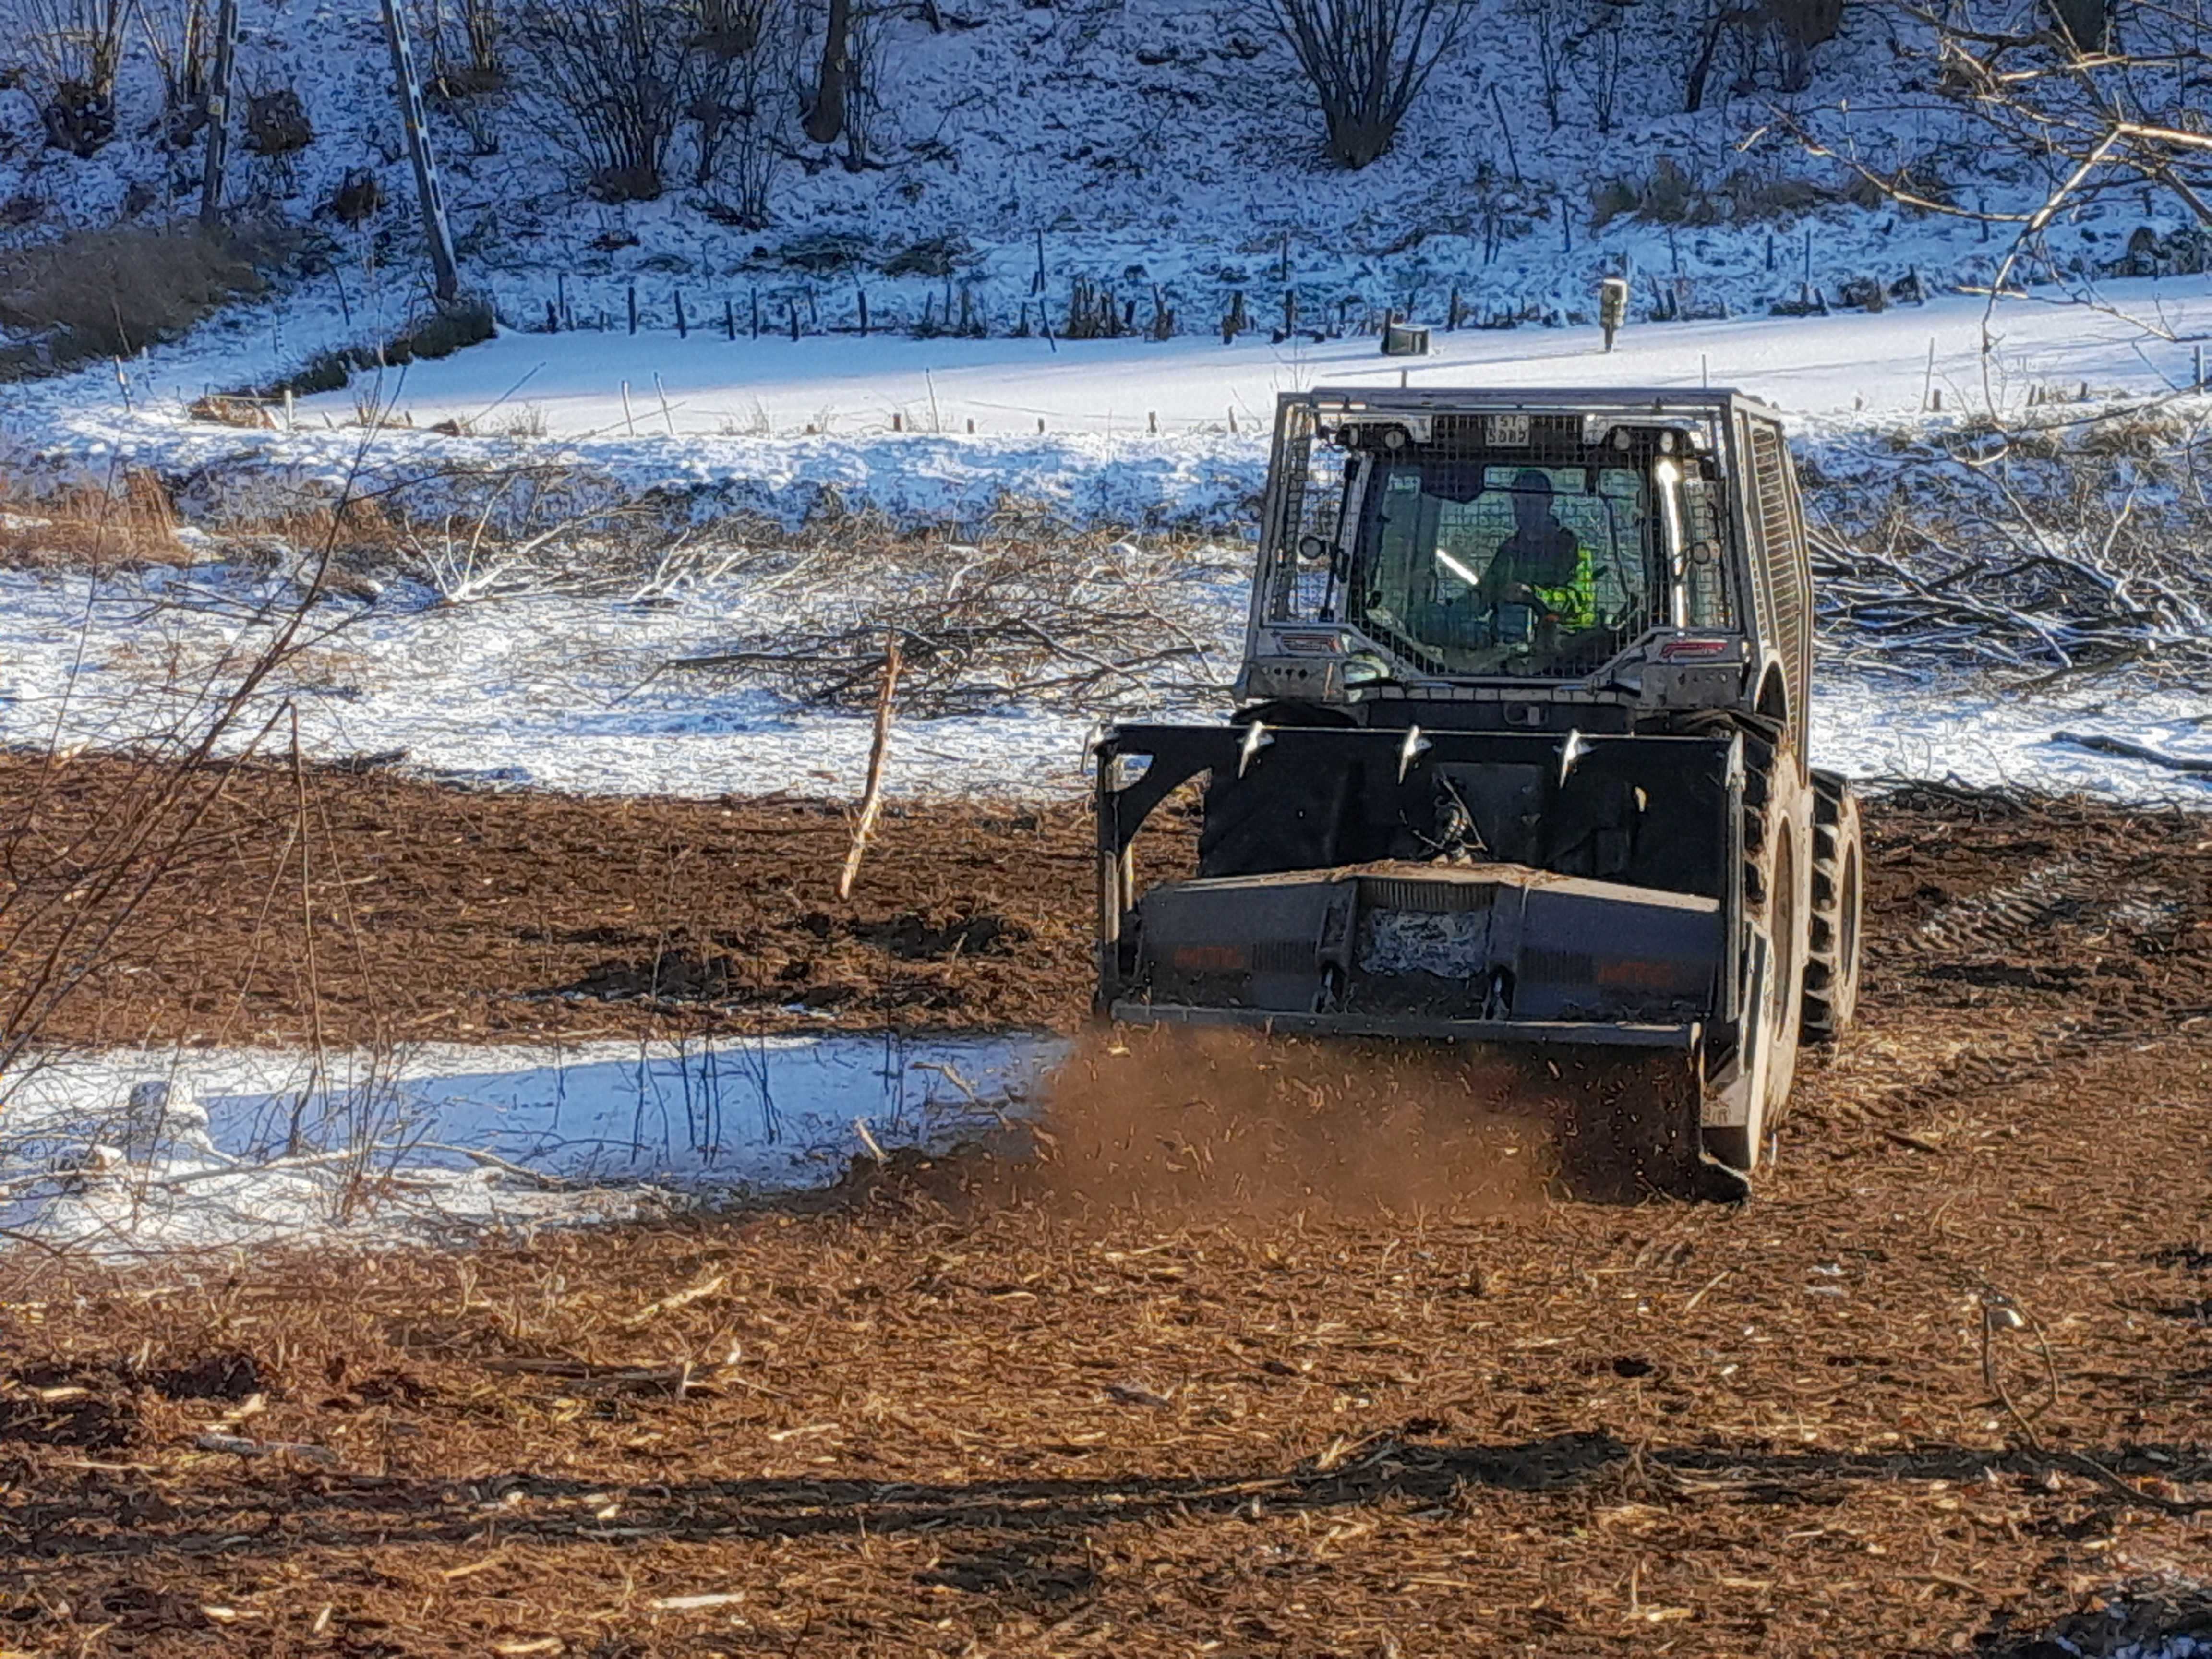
[1518,757]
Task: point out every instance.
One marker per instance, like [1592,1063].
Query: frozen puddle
[143,1150]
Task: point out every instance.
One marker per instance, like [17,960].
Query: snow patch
[131,1150]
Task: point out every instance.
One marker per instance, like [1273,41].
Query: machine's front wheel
[1777,890]
[1832,963]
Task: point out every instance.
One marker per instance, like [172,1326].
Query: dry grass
[438,332]
[96,530]
[1669,195]
[109,293]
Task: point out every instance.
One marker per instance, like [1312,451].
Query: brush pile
[2048,553]
[1075,620]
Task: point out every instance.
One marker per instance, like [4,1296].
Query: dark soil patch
[210,1376]
[62,1406]
[912,937]
[671,976]
[490,917]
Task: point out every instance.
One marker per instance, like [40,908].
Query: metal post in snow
[448,283]
[123,380]
[629,418]
[218,116]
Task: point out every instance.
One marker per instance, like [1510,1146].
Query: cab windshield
[1483,564]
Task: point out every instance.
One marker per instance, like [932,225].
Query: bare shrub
[509,530]
[1778,196]
[743,55]
[1545,20]
[1367,61]
[2053,92]
[467,38]
[1669,196]
[107,293]
[614,74]
[277,123]
[75,48]
[2062,546]
[1596,54]
[180,38]
[1797,27]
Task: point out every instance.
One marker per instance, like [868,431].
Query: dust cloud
[1210,1124]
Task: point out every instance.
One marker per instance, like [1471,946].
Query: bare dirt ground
[977,1409]
[368,907]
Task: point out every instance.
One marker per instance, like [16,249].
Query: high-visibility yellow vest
[1574,601]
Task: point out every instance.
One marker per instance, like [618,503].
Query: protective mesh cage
[1510,546]
[1313,478]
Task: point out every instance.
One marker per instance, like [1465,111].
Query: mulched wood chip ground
[1940,1387]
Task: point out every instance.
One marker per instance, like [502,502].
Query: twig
[2134,750]
[872,795]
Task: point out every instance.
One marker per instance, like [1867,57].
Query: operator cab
[1508,554]
[1511,545]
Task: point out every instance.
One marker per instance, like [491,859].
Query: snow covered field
[146,1150]
[1877,366]
[770,426]
[554,691]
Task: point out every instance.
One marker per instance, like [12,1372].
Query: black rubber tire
[1778,900]
[1832,957]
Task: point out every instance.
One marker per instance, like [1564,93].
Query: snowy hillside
[1165,150]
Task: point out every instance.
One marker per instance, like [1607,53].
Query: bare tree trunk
[826,120]
[1693,99]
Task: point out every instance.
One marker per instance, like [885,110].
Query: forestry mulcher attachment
[1518,757]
